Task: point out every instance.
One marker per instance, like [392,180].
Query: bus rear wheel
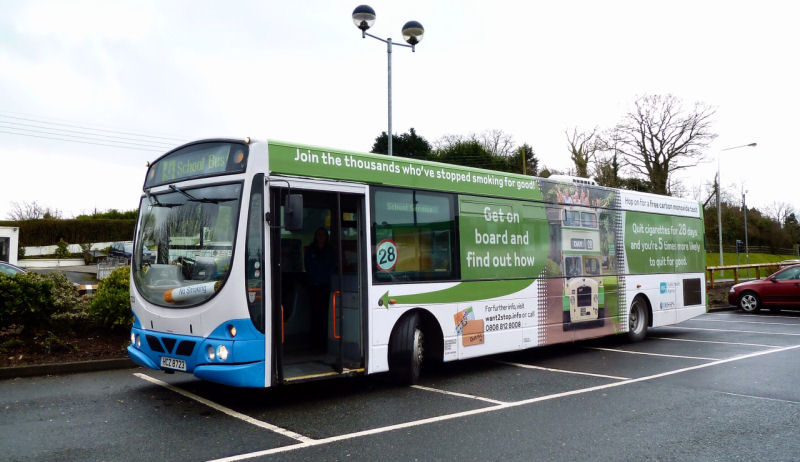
[407,350]
[637,320]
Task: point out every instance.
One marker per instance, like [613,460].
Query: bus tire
[637,320]
[749,302]
[406,350]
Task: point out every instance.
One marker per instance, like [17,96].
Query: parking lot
[722,386]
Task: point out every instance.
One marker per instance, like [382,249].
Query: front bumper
[243,367]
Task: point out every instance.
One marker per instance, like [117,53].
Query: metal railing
[769,269]
[107,265]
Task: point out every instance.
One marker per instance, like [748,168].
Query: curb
[66,368]
[715,308]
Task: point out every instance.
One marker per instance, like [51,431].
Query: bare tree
[779,211]
[659,138]
[496,141]
[447,141]
[583,149]
[31,211]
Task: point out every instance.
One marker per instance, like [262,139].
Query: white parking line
[416,423]
[712,341]
[652,354]
[227,411]
[753,315]
[733,330]
[747,322]
[760,397]
[563,371]
[461,395]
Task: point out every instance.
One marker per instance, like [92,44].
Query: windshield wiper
[154,202]
[205,200]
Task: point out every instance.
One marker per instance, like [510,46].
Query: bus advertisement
[278,263]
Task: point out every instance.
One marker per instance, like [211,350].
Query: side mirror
[293,212]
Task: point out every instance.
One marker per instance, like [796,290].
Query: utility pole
[746,246]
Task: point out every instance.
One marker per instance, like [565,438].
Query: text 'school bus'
[262,263]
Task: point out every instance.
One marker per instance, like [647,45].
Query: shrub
[65,297]
[26,300]
[31,300]
[111,305]
[62,251]
[86,253]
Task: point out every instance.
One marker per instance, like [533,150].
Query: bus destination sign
[196,161]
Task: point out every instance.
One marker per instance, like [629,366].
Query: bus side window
[421,228]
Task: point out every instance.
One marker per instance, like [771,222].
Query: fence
[714,248]
[107,265]
[769,268]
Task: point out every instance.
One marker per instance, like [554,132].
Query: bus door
[318,280]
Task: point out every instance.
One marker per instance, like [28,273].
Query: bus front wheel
[406,350]
[637,320]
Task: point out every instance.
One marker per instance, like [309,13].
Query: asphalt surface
[723,386]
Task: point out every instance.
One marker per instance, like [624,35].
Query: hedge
[50,231]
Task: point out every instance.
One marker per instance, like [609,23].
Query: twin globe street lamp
[364,18]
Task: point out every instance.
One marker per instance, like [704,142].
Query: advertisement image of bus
[262,263]
[584,301]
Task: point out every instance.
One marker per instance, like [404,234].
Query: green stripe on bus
[462,292]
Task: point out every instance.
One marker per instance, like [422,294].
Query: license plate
[173,363]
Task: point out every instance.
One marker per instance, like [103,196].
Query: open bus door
[318,286]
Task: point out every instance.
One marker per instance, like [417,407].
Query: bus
[261,263]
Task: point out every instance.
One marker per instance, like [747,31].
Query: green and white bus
[259,263]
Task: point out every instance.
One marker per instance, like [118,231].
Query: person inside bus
[320,265]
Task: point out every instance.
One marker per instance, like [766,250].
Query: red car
[777,290]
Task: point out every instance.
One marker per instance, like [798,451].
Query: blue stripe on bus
[244,366]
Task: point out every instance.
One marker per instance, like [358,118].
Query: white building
[9,243]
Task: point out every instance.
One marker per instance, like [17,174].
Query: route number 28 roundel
[386,255]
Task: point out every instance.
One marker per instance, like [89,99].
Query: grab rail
[335,335]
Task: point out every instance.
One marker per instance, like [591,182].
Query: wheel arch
[431,330]
[647,303]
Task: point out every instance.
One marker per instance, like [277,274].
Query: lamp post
[719,186]
[746,246]
[364,18]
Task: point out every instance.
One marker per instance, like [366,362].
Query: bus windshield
[184,245]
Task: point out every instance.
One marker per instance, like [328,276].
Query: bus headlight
[133,338]
[222,353]
[138,341]
[210,353]
[232,330]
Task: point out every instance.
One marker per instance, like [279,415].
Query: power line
[84,136]
[84,142]
[73,125]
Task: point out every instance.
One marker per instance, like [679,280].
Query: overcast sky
[148,75]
